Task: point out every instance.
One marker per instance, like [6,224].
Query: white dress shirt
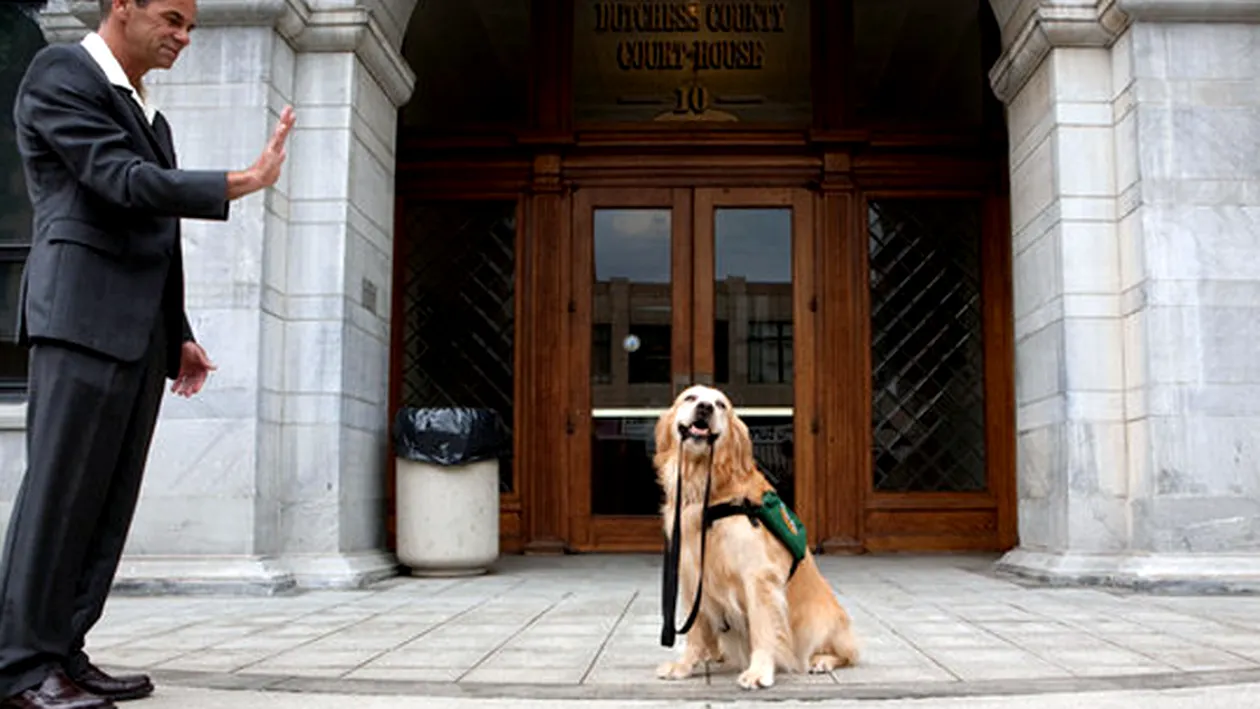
[114,72]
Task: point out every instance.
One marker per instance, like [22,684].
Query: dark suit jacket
[105,258]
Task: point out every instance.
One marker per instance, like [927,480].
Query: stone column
[274,475]
[1191,250]
[335,363]
[1134,170]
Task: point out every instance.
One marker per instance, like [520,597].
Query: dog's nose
[704,408]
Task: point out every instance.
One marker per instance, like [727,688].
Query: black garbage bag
[449,436]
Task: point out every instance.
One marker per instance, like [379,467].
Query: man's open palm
[272,158]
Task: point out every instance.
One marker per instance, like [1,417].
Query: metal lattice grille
[458,310]
[926,350]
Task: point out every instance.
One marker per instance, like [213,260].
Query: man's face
[156,33]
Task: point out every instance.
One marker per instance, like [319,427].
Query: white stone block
[1122,60]
[1081,74]
[316,259]
[1097,114]
[1090,257]
[12,451]
[312,408]
[371,186]
[379,234]
[326,117]
[314,357]
[324,79]
[1087,209]
[1032,186]
[362,415]
[1039,365]
[1085,161]
[1093,354]
[320,164]
[376,114]
[1029,116]
[1093,406]
[223,55]
[1034,414]
[1210,50]
[1127,151]
[1038,273]
[212,524]
[1097,524]
[305,210]
[1135,351]
[271,369]
[316,307]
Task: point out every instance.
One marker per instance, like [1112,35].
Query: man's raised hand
[266,169]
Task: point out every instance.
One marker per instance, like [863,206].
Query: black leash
[669,576]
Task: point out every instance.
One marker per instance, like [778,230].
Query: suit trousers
[90,421]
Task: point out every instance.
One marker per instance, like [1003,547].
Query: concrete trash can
[447,483]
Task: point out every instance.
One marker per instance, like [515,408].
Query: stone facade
[271,476]
[1135,182]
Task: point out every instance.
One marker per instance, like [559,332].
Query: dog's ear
[734,452]
[665,436]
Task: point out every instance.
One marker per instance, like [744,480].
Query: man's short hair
[106,5]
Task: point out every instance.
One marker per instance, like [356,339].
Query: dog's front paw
[756,678]
[673,670]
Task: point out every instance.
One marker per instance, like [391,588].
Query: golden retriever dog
[751,613]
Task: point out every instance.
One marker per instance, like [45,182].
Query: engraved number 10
[693,98]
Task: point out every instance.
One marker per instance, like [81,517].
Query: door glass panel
[927,356]
[753,337]
[631,345]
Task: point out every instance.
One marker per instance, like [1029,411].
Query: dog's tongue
[698,432]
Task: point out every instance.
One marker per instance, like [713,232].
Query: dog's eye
[722,405]
[689,397]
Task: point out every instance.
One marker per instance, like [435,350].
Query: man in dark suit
[102,308]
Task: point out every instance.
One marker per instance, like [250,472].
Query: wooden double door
[678,286]
[863,335]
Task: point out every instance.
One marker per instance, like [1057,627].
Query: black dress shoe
[117,689]
[57,692]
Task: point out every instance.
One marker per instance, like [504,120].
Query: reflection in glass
[10,285]
[20,39]
[623,481]
[753,328]
[753,334]
[773,449]
[632,316]
[631,348]
[927,354]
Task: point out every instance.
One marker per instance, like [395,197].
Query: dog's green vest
[777,517]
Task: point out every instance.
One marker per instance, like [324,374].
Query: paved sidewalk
[588,627]
[1239,696]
